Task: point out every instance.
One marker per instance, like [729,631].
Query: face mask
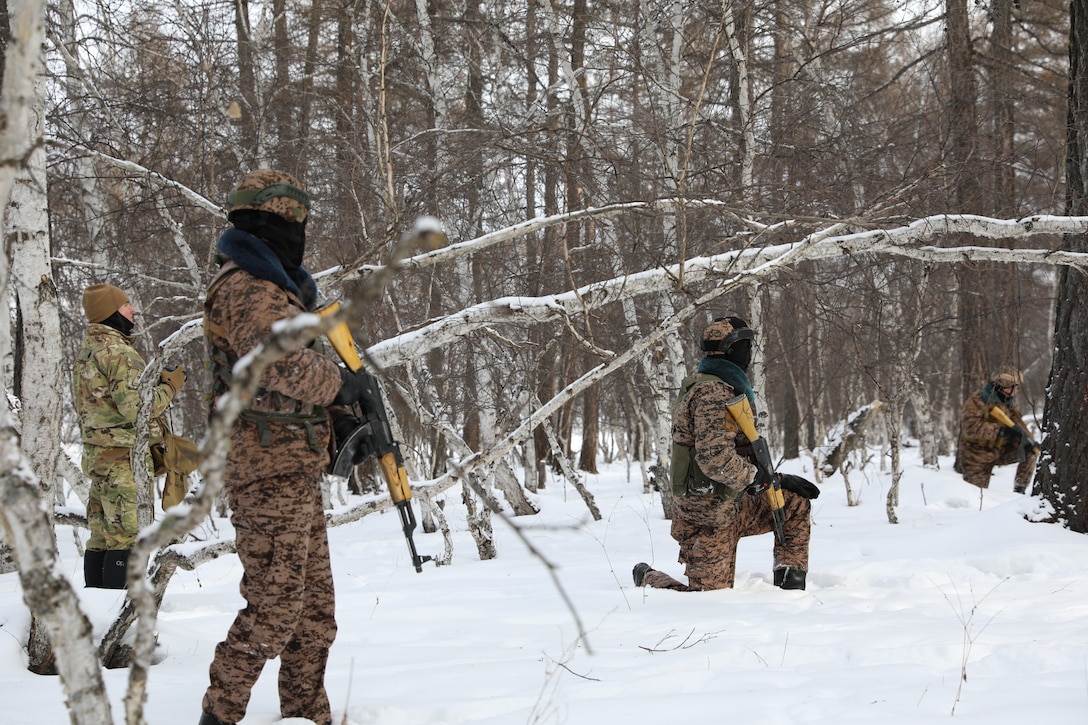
[120,323]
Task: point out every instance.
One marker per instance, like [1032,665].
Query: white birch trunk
[79,90]
[26,527]
[759,360]
[667,367]
[431,63]
[46,590]
[744,101]
[42,377]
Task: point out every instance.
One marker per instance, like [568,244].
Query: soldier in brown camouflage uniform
[279,451]
[985,443]
[712,469]
[106,372]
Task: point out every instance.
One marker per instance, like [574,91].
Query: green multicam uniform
[106,372]
[708,526]
[980,446]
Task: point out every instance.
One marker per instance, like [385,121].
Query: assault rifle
[1026,443]
[741,411]
[373,438]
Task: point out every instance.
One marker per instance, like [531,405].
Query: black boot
[115,569]
[789,578]
[208,719]
[92,568]
[639,573]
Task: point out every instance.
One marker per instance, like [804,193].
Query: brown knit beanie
[102,300]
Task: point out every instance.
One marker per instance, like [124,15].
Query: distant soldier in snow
[279,450]
[106,373]
[711,469]
[985,442]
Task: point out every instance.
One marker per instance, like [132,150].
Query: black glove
[800,486]
[353,387]
[1009,434]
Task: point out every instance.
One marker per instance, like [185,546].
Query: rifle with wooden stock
[373,437]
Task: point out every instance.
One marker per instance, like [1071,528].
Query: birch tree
[40,363]
[26,525]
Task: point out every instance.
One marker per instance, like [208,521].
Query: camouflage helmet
[273,191]
[1007,378]
[724,332]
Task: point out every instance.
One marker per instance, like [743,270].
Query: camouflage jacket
[702,422]
[106,373]
[238,317]
[284,430]
[978,427]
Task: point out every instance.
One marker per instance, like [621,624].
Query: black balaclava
[120,323]
[740,354]
[286,239]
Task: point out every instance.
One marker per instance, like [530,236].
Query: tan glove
[174,378]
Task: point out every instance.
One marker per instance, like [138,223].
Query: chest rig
[268,407]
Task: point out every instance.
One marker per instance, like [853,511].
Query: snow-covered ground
[955,613]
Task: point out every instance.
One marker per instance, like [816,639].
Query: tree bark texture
[1062,474]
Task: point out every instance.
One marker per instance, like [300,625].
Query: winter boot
[639,573]
[208,719]
[92,568]
[1020,488]
[115,569]
[789,578]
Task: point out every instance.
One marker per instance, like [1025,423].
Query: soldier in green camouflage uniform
[279,452]
[106,372]
[985,443]
[712,468]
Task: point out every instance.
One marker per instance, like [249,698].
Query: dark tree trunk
[1063,467]
[247,84]
[591,425]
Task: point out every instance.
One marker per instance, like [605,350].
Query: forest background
[891,192]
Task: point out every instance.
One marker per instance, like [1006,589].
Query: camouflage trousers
[708,529]
[111,503]
[283,545]
[977,464]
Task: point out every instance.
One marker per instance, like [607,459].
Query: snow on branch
[746,263]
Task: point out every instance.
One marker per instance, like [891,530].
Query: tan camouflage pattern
[106,399]
[239,317]
[290,601]
[702,420]
[981,448]
[717,330]
[288,208]
[1007,378]
[708,527]
[274,493]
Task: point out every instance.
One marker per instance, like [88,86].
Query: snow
[892,617]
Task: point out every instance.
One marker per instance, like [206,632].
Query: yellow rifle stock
[1026,441]
[741,410]
[378,439]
